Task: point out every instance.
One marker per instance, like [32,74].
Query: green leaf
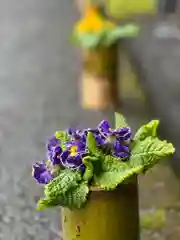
[148,152]
[63,137]
[120,121]
[88,174]
[147,130]
[73,198]
[89,40]
[95,152]
[93,159]
[91,143]
[46,203]
[114,172]
[62,183]
[77,197]
[129,30]
[144,155]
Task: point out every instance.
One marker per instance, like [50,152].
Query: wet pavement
[39,71]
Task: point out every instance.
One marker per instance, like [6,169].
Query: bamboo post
[99,82]
[108,215]
[99,89]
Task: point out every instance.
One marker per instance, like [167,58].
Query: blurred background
[40,70]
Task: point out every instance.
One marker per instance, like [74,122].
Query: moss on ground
[153,220]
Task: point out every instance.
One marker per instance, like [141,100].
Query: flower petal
[123,134]
[104,126]
[69,161]
[41,173]
[52,142]
[117,146]
[54,155]
[120,151]
[100,140]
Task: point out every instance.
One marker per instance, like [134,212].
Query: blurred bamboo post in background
[99,78]
[99,83]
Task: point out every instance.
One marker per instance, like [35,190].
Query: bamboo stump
[99,88]
[108,215]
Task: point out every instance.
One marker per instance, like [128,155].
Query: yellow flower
[92,22]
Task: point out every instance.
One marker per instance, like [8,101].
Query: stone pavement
[39,69]
[38,94]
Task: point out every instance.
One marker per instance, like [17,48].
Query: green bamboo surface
[108,215]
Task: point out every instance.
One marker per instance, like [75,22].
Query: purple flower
[72,157]
[41,173]
[72,161]
[76,134]
[100,140]
[52,142]
[76,147]
[123,134]
[104,127]
[54,150]
[120,151]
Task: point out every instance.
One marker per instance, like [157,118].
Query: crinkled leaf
[63,137]
[114,172]
[148,152]
[74,198]
[88,174]
[144,155]
[46,203]
[120,121]
[77,197]
[147,130]
[91,143]
[62,183]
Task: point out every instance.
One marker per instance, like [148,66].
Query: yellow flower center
[73,150]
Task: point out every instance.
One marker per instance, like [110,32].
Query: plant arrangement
[94,30]
[80,159]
